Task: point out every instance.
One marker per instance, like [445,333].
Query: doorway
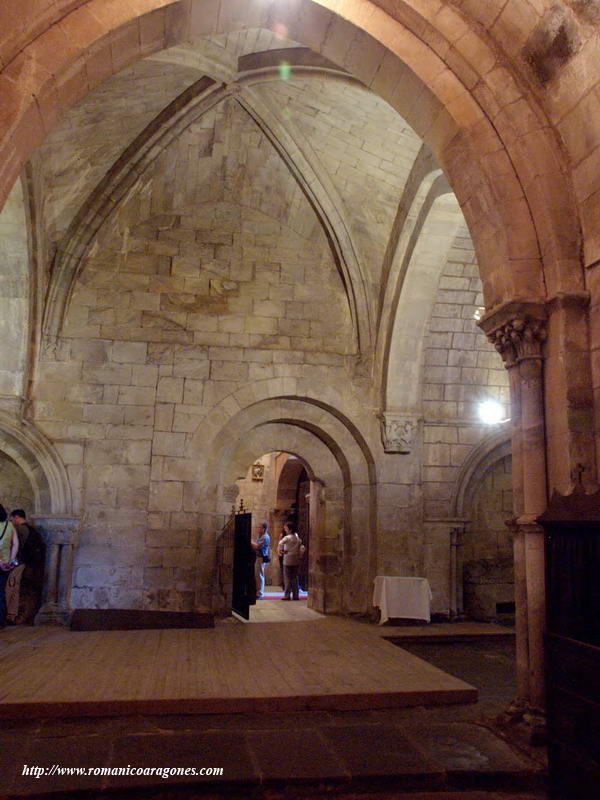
[277,489]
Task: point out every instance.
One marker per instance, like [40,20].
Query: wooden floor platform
[326,663]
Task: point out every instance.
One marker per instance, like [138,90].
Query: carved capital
[397,432]
[59,530]
[517,330]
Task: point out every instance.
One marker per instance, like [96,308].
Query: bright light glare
[491,412]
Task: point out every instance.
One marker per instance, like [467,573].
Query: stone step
[343,759]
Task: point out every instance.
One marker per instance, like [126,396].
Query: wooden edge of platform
[444,638]
[238,705]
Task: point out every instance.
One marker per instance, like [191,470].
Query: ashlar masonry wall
[180,304]
[461,369]
[417,503]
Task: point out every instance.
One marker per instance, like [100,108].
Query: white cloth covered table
[409,598]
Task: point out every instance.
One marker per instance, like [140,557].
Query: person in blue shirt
[263,554]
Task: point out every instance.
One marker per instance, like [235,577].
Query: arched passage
[343,550]
[40,463]
[482,502]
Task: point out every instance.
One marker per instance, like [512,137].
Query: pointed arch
[41,464]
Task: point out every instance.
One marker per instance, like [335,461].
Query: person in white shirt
[292,550]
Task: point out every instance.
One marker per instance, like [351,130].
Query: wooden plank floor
[327,663]
[274,610]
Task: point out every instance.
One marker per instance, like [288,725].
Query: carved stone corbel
[398,432]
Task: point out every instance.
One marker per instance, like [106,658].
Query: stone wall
[176,309]
[417,496]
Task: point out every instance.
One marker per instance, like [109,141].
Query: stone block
[184,422]
[228,371]
[145,301]
[70,453]
[129,431]
[103,413]
[169,390]
[118,374]
[261,325]
[168,444]
[132,497]
[189,368]
[139,415]
[78,393]
[166,496]
[463,358]
[137,395]
[234,323]
[119,475]
[96,351]
[136,452]
[160,353]
[144,375]
[442,374]
[83,430]
[436,455]
[180,469]
[193,392]
[163,419]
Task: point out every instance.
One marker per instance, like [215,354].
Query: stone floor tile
[56,754]
[15,751]
[470,752]
[295,755]
[219,749]
[378,750]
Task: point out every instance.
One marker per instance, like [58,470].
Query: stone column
[61,535]
[518,331]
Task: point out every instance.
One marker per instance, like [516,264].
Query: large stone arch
[437,69]
[40,463]
[323,438]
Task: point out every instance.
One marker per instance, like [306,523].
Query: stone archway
[342,558]
[52,509]
[41,464]
[482,498]
[330,556]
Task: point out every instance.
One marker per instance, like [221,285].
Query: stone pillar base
[527,723]
[52,614]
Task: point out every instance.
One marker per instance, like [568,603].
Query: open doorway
[277,490]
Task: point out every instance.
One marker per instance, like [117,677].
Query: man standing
[32,554]
[9,546]
[263,553]
[292,550]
